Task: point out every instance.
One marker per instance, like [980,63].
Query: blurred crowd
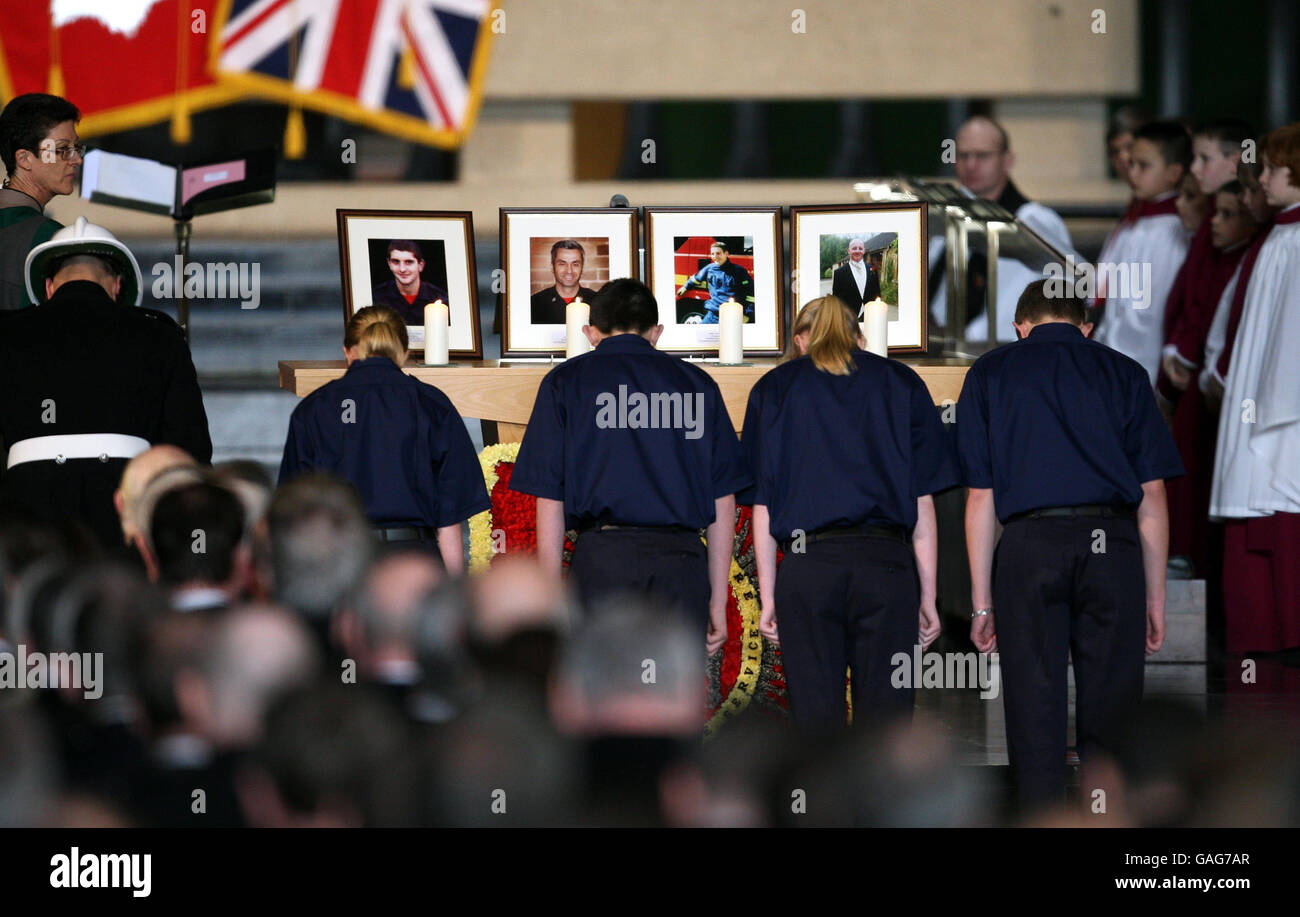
[296,672]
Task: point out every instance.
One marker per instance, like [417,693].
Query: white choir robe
[1013,275]
[1257,465]
[1217,337]
[1135,325]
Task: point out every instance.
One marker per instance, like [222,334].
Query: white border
[452,232]
[806,232]
[764,333]
[522,229]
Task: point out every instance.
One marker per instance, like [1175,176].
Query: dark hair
[721,245]
[200,507]
[1126,120]
[624,305]
[57,264]
[27,120]
[1229,133]
[1039,301]
[1171,138]
[406,245]
[1233,187]
[568,244]
[330,749]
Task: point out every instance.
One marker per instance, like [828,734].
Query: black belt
[891,532]
[1088,509]
[406,533]
[612,526]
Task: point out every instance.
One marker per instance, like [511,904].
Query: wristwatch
[981,612]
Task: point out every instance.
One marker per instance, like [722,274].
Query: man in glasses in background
[41,153]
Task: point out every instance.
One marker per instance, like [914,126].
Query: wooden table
[503,391]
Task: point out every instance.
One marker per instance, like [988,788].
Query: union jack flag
[407,67]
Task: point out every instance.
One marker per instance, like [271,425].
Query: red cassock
[1261,571]
[1196,292]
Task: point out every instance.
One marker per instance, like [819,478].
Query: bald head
[256,654]
[984,157]
[516,595]
[136,476]
[85,267]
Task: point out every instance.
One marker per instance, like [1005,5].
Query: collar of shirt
[1056,331]
[626,342]
[12,197]
[371,365]
[1011,199]
[198,597]
[81,292]
[1287,215]
[857,266]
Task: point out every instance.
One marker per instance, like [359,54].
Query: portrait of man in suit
[857,281]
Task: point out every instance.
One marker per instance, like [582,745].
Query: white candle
[731,323]
[876,327]
[577,315]
[436,322]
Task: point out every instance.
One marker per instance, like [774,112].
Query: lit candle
[577,315]
[876,327]
[436,322]
[731,322]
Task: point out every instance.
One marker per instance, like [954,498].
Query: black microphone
[618,200]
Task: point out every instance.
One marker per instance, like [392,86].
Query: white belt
[102,446]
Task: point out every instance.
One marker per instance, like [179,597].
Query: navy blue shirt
[629,435]
[1060,420]
[400,441]
[848,450]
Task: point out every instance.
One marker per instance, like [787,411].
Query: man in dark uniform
[635,449]
[90,381]
[856,282]
[567,261]
[725,280]
[405,291]
[41,153]
[1061,441]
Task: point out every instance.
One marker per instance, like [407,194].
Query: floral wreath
[747,673]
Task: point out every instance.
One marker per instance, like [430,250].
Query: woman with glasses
[41,153]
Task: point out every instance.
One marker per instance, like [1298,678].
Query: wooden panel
[511,432]
[683,49]
[504,392]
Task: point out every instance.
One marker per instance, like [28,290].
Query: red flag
[125,64]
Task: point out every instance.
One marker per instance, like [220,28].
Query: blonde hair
[802,323]
[377,331]
[832,336]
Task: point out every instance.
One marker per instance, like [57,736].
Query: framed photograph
[697,258]
[859,252]
[552,257]
[406,259]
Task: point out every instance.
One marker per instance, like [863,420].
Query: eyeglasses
[65,153]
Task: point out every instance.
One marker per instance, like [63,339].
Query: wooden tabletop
[504,390]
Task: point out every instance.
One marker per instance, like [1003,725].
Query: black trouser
[1055,592]
[670,567]
[847,603]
